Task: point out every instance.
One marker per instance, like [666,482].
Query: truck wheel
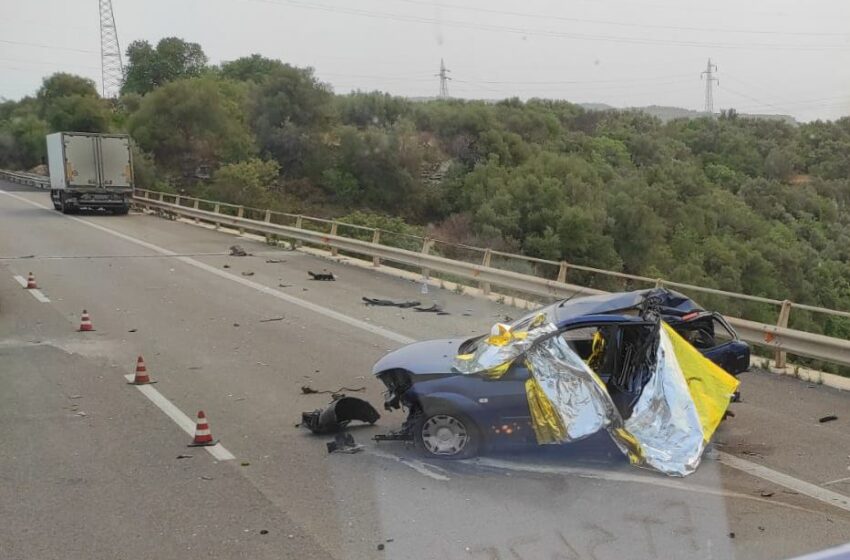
[56,204]
[447,434]
[64,206]
[122,210]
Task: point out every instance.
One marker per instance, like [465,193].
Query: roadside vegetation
[744,205]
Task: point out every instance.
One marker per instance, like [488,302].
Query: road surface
[91,466]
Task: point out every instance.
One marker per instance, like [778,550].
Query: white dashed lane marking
[36,293]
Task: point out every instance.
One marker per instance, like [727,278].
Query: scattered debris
[284,285]
[226,266]
[344,443]
[82,414]
[338,414]
[390,540]
[247,274]
[272,319]
[433,309]
[237,251]
[390,303]
[183,456]
[195,367]
[244,464]
[829,418]
[752,454]
[731,535]
[766,493]
[133,330]
[328,276]
[275,261]
[307,390]
[75,397]
[381,546]
[235,324]
[205,477]
[761,528]
[264,531]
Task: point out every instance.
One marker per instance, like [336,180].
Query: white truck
[92,171]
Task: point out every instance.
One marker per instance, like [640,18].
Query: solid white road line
[754,469]
[36,293]
[183,421]
[363,325]
[806,488]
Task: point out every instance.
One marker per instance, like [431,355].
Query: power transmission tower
[111,65]
[444,80]
[710,80]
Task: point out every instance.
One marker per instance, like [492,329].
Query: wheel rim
[444,435]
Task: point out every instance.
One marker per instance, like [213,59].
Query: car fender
[454,401]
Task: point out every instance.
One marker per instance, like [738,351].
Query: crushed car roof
[670,302]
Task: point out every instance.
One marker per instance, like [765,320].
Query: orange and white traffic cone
[142,377]
[203,437]
[31,285]
[85,322]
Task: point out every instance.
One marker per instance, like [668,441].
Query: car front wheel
[446,434]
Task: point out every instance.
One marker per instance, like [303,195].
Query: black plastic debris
[344,443]
[237,251]
[327,276]
[338,414]
[433,309]
[275,261]
[390,303]
[271,320]
[829,418]
[307,390]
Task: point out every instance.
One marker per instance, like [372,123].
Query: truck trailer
[93,171]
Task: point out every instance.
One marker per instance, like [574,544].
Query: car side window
[722,334]
[580,339]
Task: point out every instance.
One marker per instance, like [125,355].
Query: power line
[548,33]
[69,49]
[548,17]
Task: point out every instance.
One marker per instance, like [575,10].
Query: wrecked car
[568,370]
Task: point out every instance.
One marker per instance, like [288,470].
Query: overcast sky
[773,56]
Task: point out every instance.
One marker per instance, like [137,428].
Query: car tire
[444,433]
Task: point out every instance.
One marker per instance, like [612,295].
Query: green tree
[193,122]
[78,113]
[245,182]
[254,68]
[150,67]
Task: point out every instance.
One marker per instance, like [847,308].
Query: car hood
[429,356]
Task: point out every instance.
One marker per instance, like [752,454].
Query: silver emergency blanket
[573,389]
[568,401]
[664,420]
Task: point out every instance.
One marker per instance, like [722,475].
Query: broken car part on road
[327,276]
[646,366]
[338,414]
[390,303]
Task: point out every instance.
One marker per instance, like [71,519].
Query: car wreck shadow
[597,450]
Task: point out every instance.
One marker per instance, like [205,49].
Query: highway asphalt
[90,465]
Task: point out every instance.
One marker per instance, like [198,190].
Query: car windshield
[270,271]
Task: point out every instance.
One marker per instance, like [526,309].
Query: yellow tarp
[710,386]
[547,424]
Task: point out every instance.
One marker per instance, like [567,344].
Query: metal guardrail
[327,233]
[31,179]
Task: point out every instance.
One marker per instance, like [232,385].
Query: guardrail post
[240,213]
[161,196]
[659,283]
[376,239]
[427,243]
[268,217]
[177,200]
[334,250]
[217,210]
[195,206]
[485,261]
[784,313]
[562,272]
[299,221]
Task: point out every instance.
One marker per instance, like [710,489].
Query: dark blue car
[452,415]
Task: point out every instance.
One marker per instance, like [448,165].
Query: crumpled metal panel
[575,392]
[664,420]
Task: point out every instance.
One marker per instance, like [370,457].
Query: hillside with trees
[744,205]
